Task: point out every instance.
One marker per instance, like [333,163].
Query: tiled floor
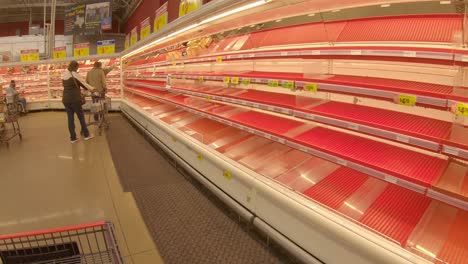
[46,182]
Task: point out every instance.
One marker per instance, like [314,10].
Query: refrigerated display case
[40,82]
[338,128]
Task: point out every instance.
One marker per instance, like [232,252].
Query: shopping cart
[9,124]
[100,108]
[89,243]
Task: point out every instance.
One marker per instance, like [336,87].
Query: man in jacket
[97,78]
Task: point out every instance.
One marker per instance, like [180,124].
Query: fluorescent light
[210,19]
[235,10]
[425,251]
[385,5]
[445,2]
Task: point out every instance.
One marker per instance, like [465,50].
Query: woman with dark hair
[72,82]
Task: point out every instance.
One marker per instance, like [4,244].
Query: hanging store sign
[106,47]
[81,49]
[29,55]
[145,28]
[187,6]
[160,20]
[127,41]
[133,36]
[88,19]
[60,52]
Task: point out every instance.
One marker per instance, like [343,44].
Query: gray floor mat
[187,222]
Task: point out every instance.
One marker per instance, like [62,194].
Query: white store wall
[15,44]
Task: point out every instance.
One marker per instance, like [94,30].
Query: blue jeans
[22,101]
[72,109]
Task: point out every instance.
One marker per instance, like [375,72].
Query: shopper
[11,91]
[96,77]
[72,100]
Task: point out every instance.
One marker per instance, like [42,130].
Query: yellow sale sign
[60,52]
[81,49]
[145,28]
[133,37]
[106,47]
[30,55]
[160,19]
[187,6]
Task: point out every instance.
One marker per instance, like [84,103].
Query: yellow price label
[174,139]
[226,79]
[160,22]
[208,97]
[29,57]
[60,54]
[187,6]
[219,59]
[273,83]
[288,84]
[462,109]
[311,87]
[227,174]
[174,63]
[201,79]
[145,32]
[200,157]
[235,80]
[106,49]
[246,81]
[408,100]
[81,52]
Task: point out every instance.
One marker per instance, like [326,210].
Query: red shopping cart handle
[53,230]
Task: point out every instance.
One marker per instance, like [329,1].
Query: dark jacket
[71,91]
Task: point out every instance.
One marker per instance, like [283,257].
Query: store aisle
[188,224]
[46,182]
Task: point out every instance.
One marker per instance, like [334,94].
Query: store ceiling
[23,10]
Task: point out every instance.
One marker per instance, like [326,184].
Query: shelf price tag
[311,87]
[106,47]
[408,100]
[462,109]
[201,79]
[235,80]
[246,81]
[273,83]
[226,79]
[288,84]
[200,157]
[227,174]
[60,52]
[30,55]
[219,59]
[81,49]
[208,97]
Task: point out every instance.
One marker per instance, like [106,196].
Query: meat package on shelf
[31,81]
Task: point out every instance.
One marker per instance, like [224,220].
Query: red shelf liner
[334,189]
[396,212]
[403,163]
[458,137]
[206,126]
[417,126]
[268,123]
[455,248]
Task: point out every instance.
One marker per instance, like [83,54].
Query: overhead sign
[106,47]
[133,36]
[160,19]
[87,19]
[187,6]
[81,49]
[145,28]
[30,55]
[60,52]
